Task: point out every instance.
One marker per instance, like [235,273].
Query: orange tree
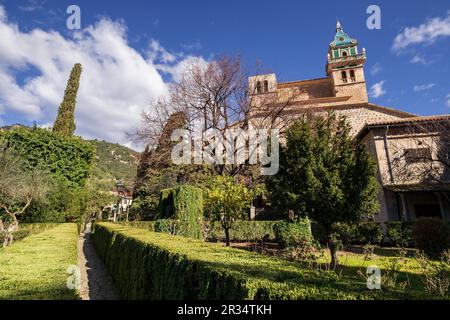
[226,200]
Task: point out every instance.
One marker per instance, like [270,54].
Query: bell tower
[345,67]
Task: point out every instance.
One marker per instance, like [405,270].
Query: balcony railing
[361,56]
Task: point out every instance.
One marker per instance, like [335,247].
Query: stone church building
[407,147]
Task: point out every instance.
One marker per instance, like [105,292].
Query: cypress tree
[65,120]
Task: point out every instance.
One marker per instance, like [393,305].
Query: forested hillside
[114,162]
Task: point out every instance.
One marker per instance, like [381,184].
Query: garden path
[96,282]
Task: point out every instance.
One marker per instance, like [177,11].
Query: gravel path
[96,283]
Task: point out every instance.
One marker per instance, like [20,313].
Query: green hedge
[67,158]
[399,233]
[185,205]
[36,267]
[147,225]
[359,233]
[293,233]
[431,235]
[243,231]
[148,265]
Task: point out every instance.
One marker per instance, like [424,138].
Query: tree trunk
[333,246]
[227,236]
[334,258]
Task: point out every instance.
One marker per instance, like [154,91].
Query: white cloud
[157,52]
[116,84]
[425,33]
[423,87]
[177,71]
[418,59]
[377,90]
[376,69]
[448,100]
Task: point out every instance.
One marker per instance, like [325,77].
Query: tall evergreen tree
[324,175]
[65,121]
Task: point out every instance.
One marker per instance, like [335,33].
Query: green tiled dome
[341,39]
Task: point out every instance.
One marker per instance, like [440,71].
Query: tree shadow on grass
[316,284]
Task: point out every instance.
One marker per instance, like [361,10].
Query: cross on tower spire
[338,25]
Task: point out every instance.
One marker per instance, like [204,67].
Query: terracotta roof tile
[399,122]
[445,117]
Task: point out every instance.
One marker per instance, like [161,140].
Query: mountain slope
[114,162]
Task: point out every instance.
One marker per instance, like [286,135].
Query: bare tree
[217,96]
[18,188]
[421,155]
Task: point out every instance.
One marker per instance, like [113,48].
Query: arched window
[344,76]
[352,75]
[266,86]
[258,87]
[344,53]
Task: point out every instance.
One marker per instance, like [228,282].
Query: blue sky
[407,67]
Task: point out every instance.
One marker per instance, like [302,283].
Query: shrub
[345,232]
[369,232]
[436,275]
[184,206]
[147,265]
[432,236]
[293,234]
[399,233]
[358,232]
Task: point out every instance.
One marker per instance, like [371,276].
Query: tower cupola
[345,66]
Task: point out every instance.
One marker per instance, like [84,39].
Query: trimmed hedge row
[147,265]
[240,232]
[243,231]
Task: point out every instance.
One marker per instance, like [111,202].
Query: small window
[344,53]
[266,86]
[352,75]
[258,87]
[344,76]
[335,53]
[418,155]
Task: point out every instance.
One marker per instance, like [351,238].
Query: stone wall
[358,116]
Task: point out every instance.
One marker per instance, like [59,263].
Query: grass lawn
[354,262]
[35,268]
